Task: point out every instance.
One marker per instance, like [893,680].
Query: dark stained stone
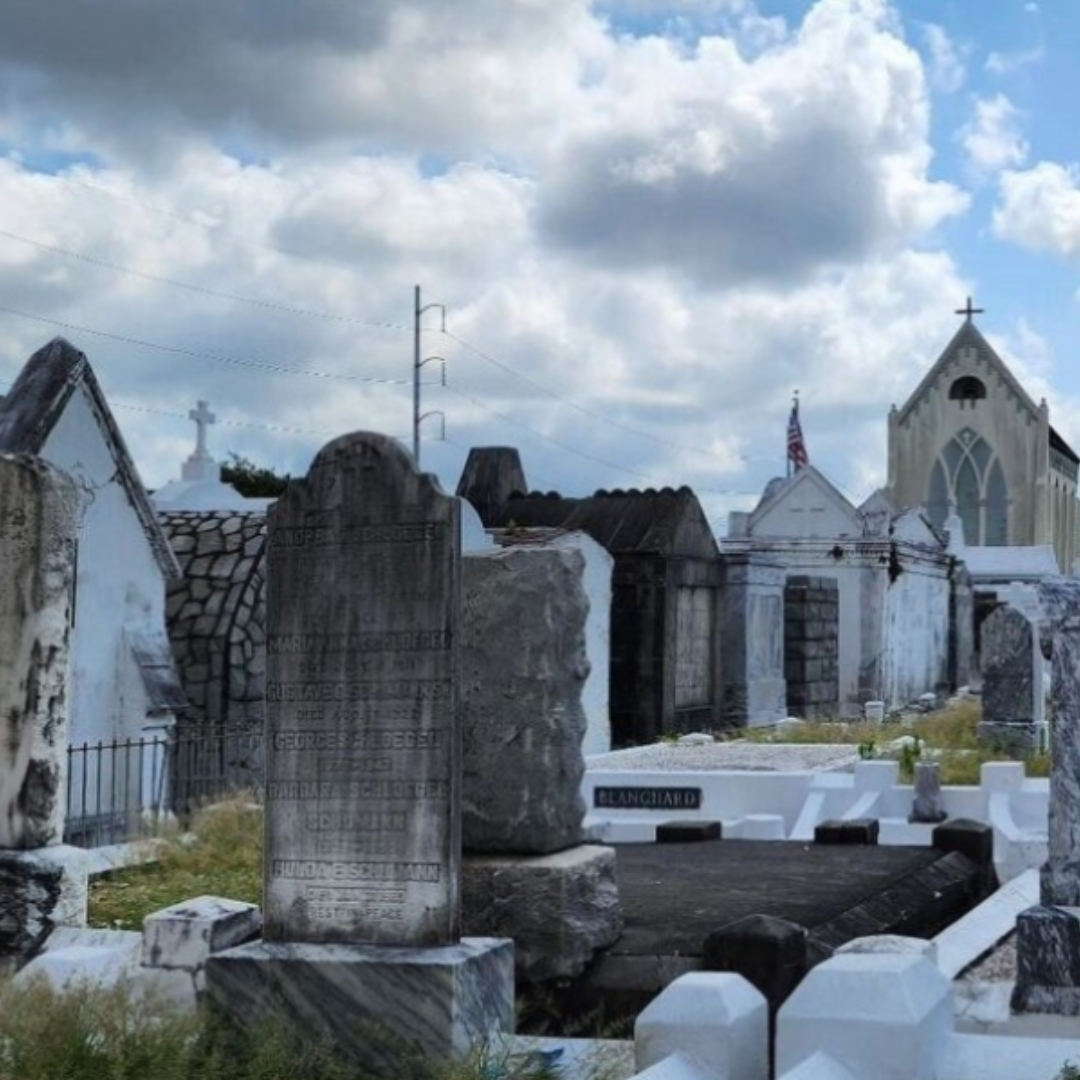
[363,797]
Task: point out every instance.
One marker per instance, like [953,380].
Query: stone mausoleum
[970,441]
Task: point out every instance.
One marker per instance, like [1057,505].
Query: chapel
[971,442]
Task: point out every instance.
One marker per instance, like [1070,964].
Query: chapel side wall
[119,584]
[1002,419]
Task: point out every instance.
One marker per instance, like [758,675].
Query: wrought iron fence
[124,789]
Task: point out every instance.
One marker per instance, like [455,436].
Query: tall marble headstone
[1048,936]
[363,797]
[37,574]
[360,942]
[43,884]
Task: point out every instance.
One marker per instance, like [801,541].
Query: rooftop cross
[969,310]
[203,418]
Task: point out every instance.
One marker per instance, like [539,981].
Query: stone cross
[37,575]
[201,466]
[363,759]
[968,310]
[203,418]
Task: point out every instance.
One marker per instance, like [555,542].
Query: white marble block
[717,1019]
[890,944]
[377,1004]
[880,1015]
[675,1067]
[39,891]
[558,909]
[182,937]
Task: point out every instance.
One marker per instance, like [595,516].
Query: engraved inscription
[362,754]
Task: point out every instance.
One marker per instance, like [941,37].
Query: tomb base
[381,1006]
[558,909]
[1047,961]
[39,891]
[1018,738]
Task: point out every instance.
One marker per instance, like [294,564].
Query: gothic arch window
[967,388]
[967,480]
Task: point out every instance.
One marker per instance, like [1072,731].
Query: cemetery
[512,784]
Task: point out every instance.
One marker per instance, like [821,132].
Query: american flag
[796,444]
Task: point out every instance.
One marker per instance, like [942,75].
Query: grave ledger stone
[42,882]
[363,772]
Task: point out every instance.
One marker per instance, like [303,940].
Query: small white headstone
[874,711]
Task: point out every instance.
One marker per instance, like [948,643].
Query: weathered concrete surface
[39,891]
[559,909]
[362,751]
[523,668]
[38,505]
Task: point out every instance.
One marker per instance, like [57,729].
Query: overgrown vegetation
[947,736]
[251,480]
[221,855]
[87,1033]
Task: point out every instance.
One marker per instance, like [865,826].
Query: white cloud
[726,168]
[998,63]
[1040,208]
[992,139]
[672,235]
[947,71]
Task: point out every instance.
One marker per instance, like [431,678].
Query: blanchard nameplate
[647,798]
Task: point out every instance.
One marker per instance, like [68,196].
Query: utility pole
[418,362]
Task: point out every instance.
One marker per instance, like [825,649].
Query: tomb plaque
[647,798]
[362,759]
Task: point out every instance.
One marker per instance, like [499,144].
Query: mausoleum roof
[1010,563]
[664,522]
[37,401]
[1059,444]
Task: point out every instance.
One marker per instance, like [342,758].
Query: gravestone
[528,874]
[926,808]
[522,707]
[42,883]
[1012,685]
[1048,935]
[363,772]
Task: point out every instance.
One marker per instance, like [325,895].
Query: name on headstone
[363,752]
[647,798]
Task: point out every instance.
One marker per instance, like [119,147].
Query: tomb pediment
[805,505]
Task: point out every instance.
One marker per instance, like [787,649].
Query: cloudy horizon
[649,222]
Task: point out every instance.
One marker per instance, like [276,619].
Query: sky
[646,223]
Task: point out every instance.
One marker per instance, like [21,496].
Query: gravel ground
[999,966]
[731,756]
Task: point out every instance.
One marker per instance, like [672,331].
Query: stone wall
[217,615]
[812,646]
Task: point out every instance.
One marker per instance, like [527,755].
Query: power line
[195,354]
[583,409]
[267,305]
[162,211]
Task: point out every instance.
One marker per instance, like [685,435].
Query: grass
[950,734]
[89,1033]
[221,855]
